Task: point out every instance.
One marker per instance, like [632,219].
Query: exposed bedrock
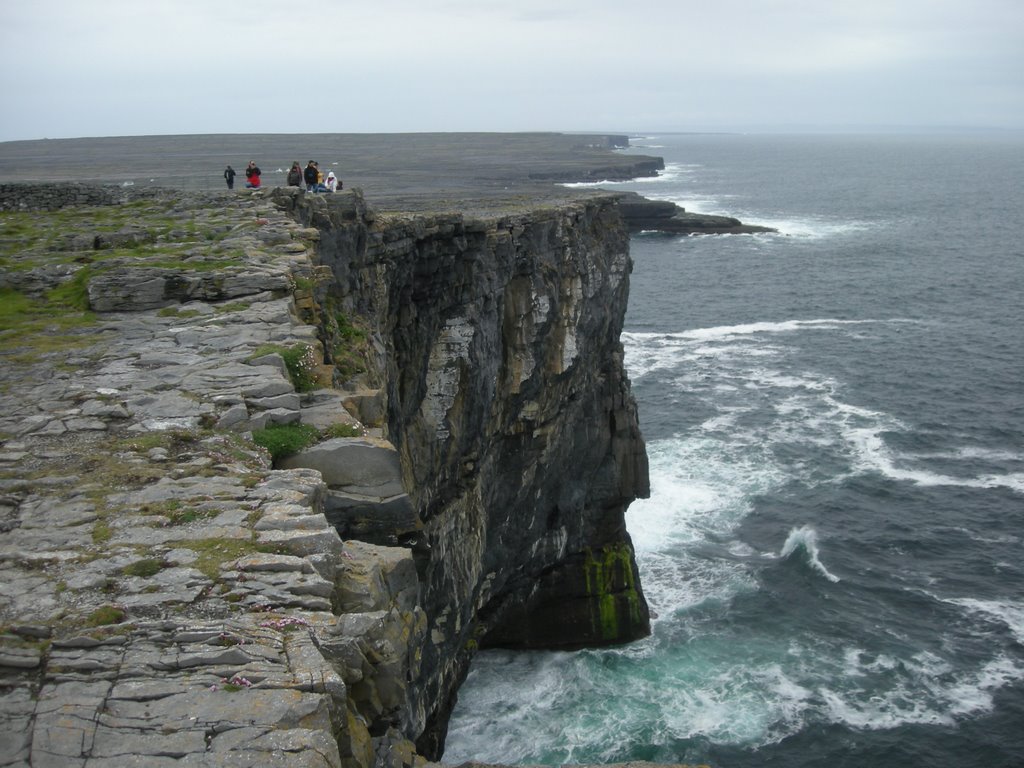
[511,417]
[643,215]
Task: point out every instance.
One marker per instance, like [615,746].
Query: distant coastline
[398,172]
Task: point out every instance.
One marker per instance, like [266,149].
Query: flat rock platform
[397,172]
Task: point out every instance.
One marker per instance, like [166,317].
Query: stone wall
[51,197]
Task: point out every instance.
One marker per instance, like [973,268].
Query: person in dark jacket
[310,174]
[295,175]
[229,177]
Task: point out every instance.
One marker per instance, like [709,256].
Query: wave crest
[805,538]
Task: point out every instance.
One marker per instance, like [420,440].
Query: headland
[275,465]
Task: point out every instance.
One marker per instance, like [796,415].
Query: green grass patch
[176,513]
[102,532]
[190,515]
[341,430]
[300,364]
[14,307]
[211,554]
[145,568]
[286,439]
[236,306]
[350,349]
[175,312]
[73,293]
[105,615]
[32,327]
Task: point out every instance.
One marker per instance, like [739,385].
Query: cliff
[172,592]
[506,399]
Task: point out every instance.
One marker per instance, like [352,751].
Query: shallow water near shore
[835,423]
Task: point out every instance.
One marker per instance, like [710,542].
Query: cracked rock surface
[166,597]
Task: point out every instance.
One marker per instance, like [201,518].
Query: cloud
[69,68]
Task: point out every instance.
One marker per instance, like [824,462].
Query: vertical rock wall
[506,398]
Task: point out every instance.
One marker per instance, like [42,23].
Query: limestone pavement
[167,597]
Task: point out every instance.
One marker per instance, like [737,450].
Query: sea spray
[805,538]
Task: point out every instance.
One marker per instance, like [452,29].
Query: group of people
[311,176]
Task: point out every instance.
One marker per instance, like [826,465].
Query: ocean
[834,414]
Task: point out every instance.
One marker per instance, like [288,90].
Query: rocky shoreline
[662,216]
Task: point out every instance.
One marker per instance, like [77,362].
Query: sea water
[834,414]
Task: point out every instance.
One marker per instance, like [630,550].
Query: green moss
[611,588]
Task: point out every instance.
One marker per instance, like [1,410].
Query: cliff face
[506,399]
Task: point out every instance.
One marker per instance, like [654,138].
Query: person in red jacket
[252,175]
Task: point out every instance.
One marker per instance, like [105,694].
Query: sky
[74,68]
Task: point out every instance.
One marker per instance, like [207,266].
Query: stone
[345,461]
[372,578]
[266,562]
[302,543]
[20,658]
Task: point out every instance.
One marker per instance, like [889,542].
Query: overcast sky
[72,68]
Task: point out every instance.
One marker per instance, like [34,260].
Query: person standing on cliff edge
[229,177]
[310,175]
[252,175]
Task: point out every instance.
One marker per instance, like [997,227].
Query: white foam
[873,455]
[720,360]
[721,332]
[806,538]
[920,689]
[670,173]
[1011,614]
[809,228]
